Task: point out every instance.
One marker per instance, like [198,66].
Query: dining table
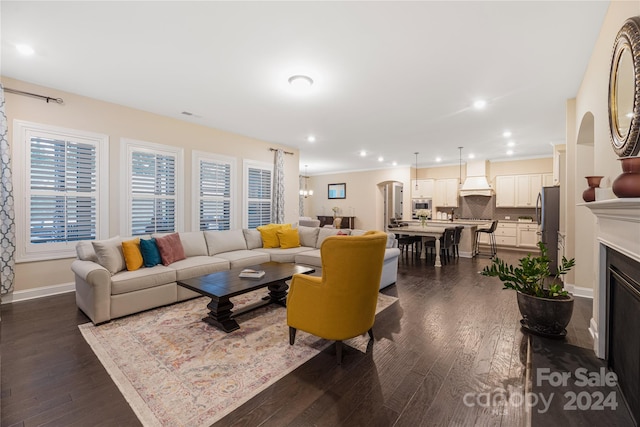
[431,230]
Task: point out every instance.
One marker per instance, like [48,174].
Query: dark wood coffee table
[222,285]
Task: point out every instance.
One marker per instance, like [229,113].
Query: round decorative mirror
[624,90]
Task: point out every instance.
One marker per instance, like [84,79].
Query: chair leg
[292,335]
[370,333]
[339,352]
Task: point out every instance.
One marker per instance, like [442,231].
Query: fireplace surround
[617,294]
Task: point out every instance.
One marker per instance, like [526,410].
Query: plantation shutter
[258,196]
[153,188]
[215,195]
[62,191]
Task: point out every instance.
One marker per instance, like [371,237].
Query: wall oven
[418,204]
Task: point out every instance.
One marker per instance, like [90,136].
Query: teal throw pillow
[150,252]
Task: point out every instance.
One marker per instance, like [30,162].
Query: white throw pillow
[109,253]
[308,236]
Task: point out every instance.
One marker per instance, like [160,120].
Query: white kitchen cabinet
[548,180]
[506,234]
[505,191]
[424,189]
[527,189]
[527,235]
[446,193]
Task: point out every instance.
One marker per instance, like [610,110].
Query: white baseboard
[44,291]
[577,291]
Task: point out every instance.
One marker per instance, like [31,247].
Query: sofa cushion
[253,238]
[150,252]
[132,255]
[284,255]
[311,257]
[170,248]
[288,238]
[224,241]
[85,252]
[198,266]
[144,278]
[308,236]
[193,243]
[244,258]
[109,253]
[323,233]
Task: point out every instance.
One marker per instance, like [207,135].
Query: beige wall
[118,122]
[364,197]
[590,152]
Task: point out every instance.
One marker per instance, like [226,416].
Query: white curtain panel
[277,205]
[7,215]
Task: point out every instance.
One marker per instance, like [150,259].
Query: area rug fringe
[196,364]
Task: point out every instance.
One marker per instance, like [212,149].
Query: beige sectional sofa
[105,293]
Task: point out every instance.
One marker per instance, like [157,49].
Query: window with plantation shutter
[153,200]
[214,189]
[64,179]
[258,185]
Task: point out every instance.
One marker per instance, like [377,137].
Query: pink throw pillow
[170,248]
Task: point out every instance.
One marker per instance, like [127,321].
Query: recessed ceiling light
[311,138]
[479,104]
[438,159]
[506,133]
[511,144]
[509,152]
[381,159]
[300,81]
[363,153]
[472,156]
[395,163]
[25,49]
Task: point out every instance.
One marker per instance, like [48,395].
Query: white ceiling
[391,78]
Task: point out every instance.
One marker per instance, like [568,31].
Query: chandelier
[304,191]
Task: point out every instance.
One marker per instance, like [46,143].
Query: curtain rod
[286,152]
[34,95]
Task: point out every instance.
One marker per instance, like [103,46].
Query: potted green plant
[546,307]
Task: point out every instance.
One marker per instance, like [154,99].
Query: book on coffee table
[250,273]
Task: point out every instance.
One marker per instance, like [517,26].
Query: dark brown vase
[548,317]
[589,195]
[627,184]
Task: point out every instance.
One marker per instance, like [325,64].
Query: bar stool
[492,239]
[456,241]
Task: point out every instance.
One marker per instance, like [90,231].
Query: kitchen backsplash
[485,208]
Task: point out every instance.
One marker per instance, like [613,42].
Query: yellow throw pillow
[269,234]
[289,238]
[132,254]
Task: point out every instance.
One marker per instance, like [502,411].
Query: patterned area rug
[174,369]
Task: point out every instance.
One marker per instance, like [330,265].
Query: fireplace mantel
[618,227]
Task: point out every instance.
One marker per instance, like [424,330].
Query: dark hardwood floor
[452,333]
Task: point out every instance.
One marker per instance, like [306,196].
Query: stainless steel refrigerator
[548,217]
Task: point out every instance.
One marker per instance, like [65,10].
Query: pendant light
[305,192]
[416,173]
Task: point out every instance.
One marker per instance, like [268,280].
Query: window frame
[197,157]
[23,131]
[246,164]
[127,148]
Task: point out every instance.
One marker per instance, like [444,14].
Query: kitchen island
[435,228]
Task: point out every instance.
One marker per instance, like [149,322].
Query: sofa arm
[93,290]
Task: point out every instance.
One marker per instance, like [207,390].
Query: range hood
[476,183]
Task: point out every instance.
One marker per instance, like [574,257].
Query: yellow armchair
[342,303]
